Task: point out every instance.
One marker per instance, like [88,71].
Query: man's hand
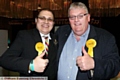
[85,62]
[40,63]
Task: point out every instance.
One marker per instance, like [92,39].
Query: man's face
[79,20]
[45,21]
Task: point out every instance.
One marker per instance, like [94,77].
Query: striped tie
[46,45]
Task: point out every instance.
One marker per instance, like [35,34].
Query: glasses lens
[50,20]
[72,17]
[78,16]
[43,18]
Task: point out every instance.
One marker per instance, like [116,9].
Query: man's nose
[76,18]
[46,20]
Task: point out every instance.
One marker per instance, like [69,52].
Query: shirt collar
[43,35]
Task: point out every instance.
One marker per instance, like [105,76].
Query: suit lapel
[36,36]
[63,39]
[92,35]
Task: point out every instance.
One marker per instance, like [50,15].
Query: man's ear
[89,17]
[35,20]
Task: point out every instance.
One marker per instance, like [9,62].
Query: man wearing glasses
[28,54]
[85,52]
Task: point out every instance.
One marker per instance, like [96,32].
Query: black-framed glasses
[44,19]
[78,16]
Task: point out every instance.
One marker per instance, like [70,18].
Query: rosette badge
[39,47]
[91,43]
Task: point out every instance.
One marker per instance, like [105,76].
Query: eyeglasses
[44,19]
[78,16]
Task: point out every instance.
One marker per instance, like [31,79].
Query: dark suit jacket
[105,53]
[22,51]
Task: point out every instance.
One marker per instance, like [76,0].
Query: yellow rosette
[91,43]
[39,47]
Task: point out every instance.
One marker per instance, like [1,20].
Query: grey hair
[78,5]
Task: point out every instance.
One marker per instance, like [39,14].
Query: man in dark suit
[23,57]
[85,52]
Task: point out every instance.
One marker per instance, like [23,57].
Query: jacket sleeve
[12,59]
[107,62]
